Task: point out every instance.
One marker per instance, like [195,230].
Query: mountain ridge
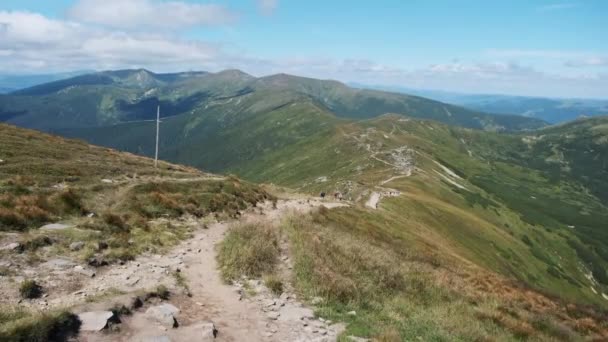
[113,96]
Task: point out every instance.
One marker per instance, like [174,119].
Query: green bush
[30,289]
[20,326]
[274,283]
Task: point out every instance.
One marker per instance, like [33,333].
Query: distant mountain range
[120,96]
[10,83]
[552,110]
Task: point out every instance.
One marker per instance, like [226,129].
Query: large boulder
[164,314]
[96,320]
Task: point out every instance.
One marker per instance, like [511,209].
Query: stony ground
[201,305]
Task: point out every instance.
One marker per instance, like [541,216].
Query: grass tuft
[17,325]
[248,249]
[30,289]
[274,283]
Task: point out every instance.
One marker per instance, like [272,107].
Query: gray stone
[13,247]
[108,181]
[290,313]
[95,320]
[84,271]
[352,313]
[316,301]
[58,264]
[164,314]
[273,315]
[76,246]
[56,226]
[204,331]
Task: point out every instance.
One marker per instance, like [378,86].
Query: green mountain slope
[508,185]
[128,95]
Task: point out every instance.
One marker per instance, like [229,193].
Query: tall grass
[399,296]
[18,325]
[250,250]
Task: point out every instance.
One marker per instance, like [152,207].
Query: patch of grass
[162,292]
[17,325]
[250,250]
[30,289]
[181,281]
[274,283]
[33,243]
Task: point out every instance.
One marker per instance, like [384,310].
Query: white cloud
[146,14]
[596,61]
[531,53]
[30,42]
[267,7]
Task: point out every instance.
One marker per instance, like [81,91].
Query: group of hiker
[337,195]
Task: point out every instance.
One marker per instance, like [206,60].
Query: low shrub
[274,283]
[30,289]
[17,325]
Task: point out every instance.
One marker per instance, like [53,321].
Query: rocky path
[240,312]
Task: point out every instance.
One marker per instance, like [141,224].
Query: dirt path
[238,317]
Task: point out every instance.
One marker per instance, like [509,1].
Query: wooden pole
[157,131]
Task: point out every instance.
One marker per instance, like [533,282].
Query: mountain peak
[234,74]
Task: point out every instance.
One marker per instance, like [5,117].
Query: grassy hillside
[106,194]
[130,95]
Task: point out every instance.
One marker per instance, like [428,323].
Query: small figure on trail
[323,195]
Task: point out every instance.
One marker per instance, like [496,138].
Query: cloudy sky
[543,47]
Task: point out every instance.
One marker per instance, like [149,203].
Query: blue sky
[548,48]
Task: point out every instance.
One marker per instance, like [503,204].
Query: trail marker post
[157,131]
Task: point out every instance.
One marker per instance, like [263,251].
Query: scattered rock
[96,320]
[89,215]
[13,247]
[290,313]
[84,271]
[273,315]
[107,181]
[97,261]
[164,314]
[204,332]
[357,339]
[133,281]
[76,246]
[56,226]
[352,313]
